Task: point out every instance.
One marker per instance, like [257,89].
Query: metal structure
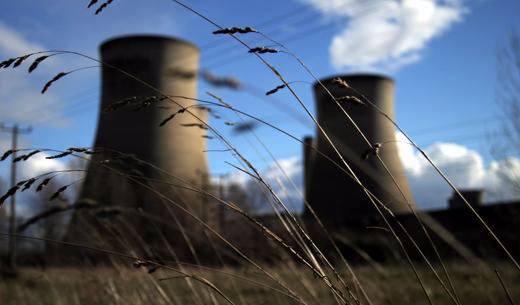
[334,196]
[145,67]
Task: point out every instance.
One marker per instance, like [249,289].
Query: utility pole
[221,209]
[11,246]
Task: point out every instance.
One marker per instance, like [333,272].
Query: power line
[293,37]
[455,125]
[300,34]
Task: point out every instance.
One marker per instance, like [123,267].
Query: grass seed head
[63,154]
[20,60]
[9,193]
[28,184]
[58,192]
[182,74]
[244,127]
[140,263]
[352,99]
[119,104]
[92,2]
[340,82]
[272,91]
[102,7]
[199,125]
[78,149]
[7,154]
[374,150]
[262,50]
[32,153]
[147,102]
[19,158]
[6,63]
[20,183]
[36,62]
[235,30]
[167,119]
[55,78]
[43,183]
[226,82]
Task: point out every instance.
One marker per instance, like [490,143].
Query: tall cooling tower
[177,148]
[331,193]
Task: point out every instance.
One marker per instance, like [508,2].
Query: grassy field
[125,285]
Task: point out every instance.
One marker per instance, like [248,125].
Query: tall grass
[289,266]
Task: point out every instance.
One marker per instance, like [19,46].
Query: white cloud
[27,201]
[20,98]
[464,167]
[386,34]
[21,101]
[38,164]
[13,44]
[284,188]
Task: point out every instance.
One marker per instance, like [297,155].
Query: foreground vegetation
[310,278]
[385,284]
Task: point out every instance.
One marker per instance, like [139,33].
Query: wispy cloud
[385,34]
[20,98]
[464,167]
[14,44]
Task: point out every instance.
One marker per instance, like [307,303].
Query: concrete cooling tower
[332,194]
[128,194]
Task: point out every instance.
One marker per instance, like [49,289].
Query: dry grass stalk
[506,291]
[102,7]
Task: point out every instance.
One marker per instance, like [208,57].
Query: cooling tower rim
[355,76]
[144,37]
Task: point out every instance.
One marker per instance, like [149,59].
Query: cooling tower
[334,196]
[127,194]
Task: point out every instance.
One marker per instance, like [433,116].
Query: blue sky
[444,68]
